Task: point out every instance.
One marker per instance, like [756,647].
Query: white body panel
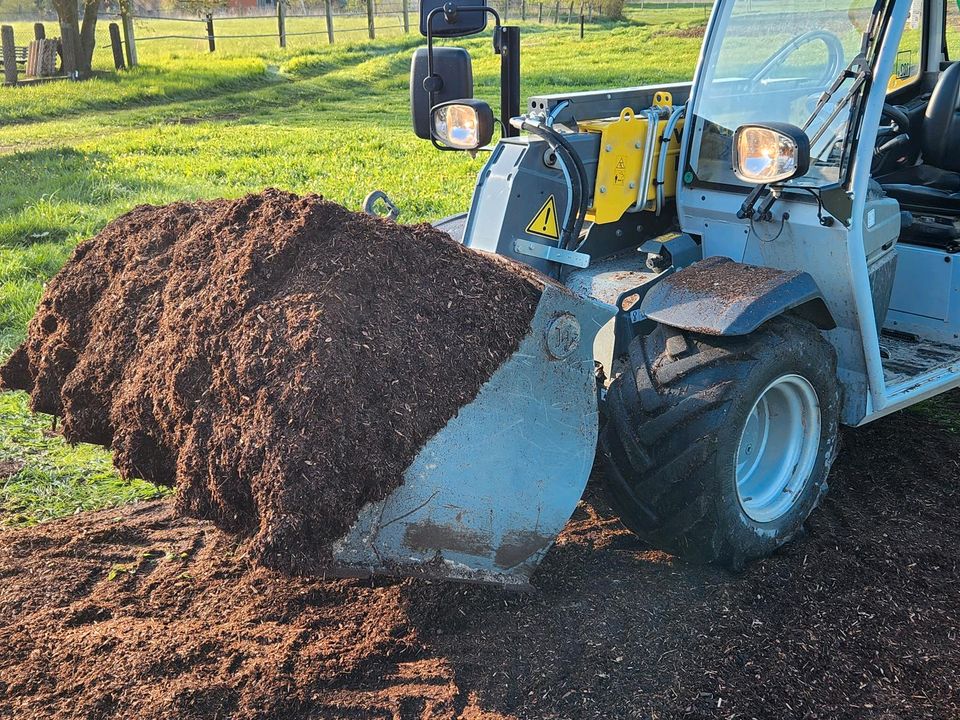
[926,298]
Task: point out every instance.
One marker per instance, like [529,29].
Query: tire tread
[663,416]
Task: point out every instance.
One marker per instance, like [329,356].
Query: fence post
[39,31]
[581,21]
[282,22]
[211,39]
[129,41]
[117,46]
[371,28]
[523,10]
[556,14]
[9,55]
[329,11]
[406,16]
[540,13]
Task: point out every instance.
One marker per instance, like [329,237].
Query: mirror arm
[747,209]
[507,45]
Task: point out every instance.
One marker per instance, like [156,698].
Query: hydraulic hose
[579,194]
[647,175]
[668,131]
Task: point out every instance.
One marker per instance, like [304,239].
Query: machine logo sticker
[544,223]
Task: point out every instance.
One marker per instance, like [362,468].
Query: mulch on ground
[280,359]
[136,612]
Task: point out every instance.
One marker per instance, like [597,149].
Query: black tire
[675,414]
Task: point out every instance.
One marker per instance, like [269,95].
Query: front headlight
[463,124]
[771,153]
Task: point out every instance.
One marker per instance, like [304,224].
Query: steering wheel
[835,60]
[893,140]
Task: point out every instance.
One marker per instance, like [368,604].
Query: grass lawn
[188,125]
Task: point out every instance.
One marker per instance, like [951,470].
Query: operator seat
[934,186]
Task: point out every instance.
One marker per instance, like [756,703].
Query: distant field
[189,124]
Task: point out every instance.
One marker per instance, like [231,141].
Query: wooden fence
[369,18]
[207,28]
[37,58]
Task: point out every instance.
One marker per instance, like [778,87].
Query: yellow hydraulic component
[623,157]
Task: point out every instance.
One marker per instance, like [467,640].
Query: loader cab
[873,214]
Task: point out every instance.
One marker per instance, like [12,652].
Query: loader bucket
[485,498]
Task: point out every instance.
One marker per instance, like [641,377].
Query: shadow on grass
[46,195]
[142,87]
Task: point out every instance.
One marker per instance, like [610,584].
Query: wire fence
[330,21]
[238,29]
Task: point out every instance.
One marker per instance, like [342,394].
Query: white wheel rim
[778,448]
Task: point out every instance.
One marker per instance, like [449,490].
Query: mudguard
[718,296]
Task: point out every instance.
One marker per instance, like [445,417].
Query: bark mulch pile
[278,358]
[136,613]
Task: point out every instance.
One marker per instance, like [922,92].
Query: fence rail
[331,17]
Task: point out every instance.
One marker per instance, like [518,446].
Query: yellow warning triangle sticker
[544,223]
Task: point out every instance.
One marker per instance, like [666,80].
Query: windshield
[769,63]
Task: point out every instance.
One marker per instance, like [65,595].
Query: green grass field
[188,125]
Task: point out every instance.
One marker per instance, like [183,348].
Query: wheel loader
[734,268]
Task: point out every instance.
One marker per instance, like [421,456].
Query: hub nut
[563,336]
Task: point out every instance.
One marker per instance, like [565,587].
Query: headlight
[771,153]
[463,124]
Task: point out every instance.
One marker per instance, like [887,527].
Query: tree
[79,38]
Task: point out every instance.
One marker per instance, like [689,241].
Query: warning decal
[619,177]
[544,223]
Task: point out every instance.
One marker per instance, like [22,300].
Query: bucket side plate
[486,496]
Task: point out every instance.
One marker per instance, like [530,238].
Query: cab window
[910,52]
[953,30]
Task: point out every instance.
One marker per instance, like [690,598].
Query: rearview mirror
[769,153]
[463,124]
[452,80]
[453,19]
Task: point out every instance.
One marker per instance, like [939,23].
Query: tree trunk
[88,34]
[67,15]
[78,40]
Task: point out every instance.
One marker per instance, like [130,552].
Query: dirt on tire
[279,359]
[135,612]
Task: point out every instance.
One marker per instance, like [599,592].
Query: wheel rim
[778,448]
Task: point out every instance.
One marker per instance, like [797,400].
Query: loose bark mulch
[279,359]
[136,612]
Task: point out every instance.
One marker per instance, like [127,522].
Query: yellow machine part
[622,154]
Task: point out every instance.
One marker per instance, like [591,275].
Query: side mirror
[453,20]
[769,153]
[463,124]
[452,80]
